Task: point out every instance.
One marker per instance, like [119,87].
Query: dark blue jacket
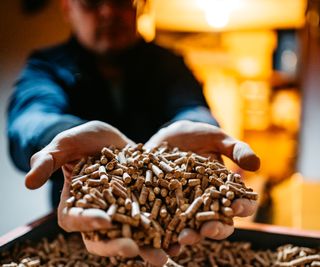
[60,87]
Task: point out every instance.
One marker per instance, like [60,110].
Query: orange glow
[222,92]
[256,95]
[286,109]
[229,46]
[217,15]
[294,203]
[218,12]
[239,57]
[146,27]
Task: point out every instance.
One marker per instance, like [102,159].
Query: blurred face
[102,26]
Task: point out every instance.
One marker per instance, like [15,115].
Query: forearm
[196,114]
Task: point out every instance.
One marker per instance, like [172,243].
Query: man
[107,86]
[104,72]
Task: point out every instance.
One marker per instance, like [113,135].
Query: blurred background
[259,62]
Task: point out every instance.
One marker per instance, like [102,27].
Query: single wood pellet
[176,189]
[70,252]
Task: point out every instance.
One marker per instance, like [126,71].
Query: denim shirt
[60,87]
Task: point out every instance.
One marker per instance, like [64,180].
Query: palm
[206,139]
[64,150]
[210,141]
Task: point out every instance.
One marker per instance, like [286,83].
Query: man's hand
[71,145]
[208,140]
[205,139]
[87,220]
[64,151]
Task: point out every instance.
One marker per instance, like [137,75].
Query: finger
[42,166]
[78,219]
[239,152]
[62,208]
[244,156]
[65,194]
[123,247]
[68,169]
[191,138]
[150,144]
[244,207]
[83,220]
[216,230]
[45,162]
[189,237]
[156,257]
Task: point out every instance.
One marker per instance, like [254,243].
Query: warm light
[249,67]
[285,110]
[228,15]
[217,12]
[221,91]
[146,27]
[256,96]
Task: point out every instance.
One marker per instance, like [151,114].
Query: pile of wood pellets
[239,254]
[67,252]
[70,251]
[152,195]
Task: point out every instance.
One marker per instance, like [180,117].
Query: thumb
[45,162]
[245,157]
[42,166]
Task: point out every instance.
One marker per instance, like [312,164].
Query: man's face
[103,26]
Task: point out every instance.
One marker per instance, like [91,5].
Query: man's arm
[37,111]
[197,114]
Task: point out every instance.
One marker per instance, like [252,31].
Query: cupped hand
[205,139]
[71,145]
[216,229]
[209,140]
[63,152]
[87,220]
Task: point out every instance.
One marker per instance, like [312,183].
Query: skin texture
[64,151]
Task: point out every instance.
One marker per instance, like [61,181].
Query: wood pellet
[60,252]
[174,190]
[239,254]
[70,251]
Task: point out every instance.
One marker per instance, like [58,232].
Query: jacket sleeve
[37,111]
